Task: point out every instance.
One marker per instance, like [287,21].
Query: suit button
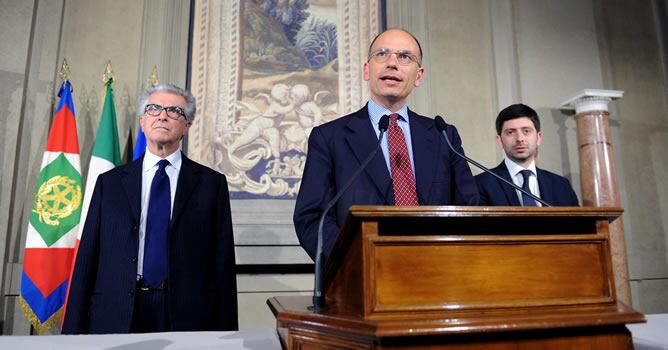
[134,228]
[133,259]
[131,292]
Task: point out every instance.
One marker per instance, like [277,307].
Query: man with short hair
[518,134]
[157,251]
[415,166]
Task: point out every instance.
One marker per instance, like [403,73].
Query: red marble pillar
[598,175]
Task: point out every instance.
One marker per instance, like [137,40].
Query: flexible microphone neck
[440,126]
[318,290]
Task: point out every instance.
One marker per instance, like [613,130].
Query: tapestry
[265,73]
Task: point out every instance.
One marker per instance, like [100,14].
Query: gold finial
[108,74]
[64,71]
[153,78]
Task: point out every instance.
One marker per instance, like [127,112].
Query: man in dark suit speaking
[157,252]
[415,167]
[518,133]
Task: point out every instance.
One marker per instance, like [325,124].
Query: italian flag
[106,151]
[106,156]
[54,221]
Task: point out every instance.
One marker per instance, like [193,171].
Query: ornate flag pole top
[108,75]
[64,72]
[153,78]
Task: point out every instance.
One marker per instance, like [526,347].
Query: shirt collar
[376,111]
[151,160]
[514,168]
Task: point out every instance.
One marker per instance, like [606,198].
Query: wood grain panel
[470,275]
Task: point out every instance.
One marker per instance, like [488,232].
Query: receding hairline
[400,30]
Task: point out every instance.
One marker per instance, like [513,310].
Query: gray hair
[172,89]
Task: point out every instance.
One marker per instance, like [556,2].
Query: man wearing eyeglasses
[415,166]
[157,251]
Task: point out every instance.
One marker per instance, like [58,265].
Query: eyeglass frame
[168,110]
[411,56]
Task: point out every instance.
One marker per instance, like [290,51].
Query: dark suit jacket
[201,287]
[554,189]
[336,149]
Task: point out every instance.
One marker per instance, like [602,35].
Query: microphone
[440,125]
[318,297]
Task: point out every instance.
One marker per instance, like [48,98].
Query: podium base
[596,328]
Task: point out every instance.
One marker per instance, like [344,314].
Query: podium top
[362,211]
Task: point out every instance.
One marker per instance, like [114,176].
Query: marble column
[598,175]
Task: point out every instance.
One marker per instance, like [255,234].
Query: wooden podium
[465,277]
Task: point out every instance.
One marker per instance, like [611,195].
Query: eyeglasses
[403,57]
[173,112]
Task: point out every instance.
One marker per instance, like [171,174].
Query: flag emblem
[57,198]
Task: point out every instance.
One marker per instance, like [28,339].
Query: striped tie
[403,181]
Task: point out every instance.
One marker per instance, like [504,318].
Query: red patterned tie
[400,164]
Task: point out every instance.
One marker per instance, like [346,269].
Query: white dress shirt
[376,111]
[514,169]
[149,167]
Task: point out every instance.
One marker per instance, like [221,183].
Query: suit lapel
[188,181]
[543,186]
[131,181]
[361,139]
[424,155]
[510,192]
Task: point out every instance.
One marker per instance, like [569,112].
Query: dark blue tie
[157,228]
[526,200]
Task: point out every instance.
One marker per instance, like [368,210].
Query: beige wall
[637,64]
[480,56]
